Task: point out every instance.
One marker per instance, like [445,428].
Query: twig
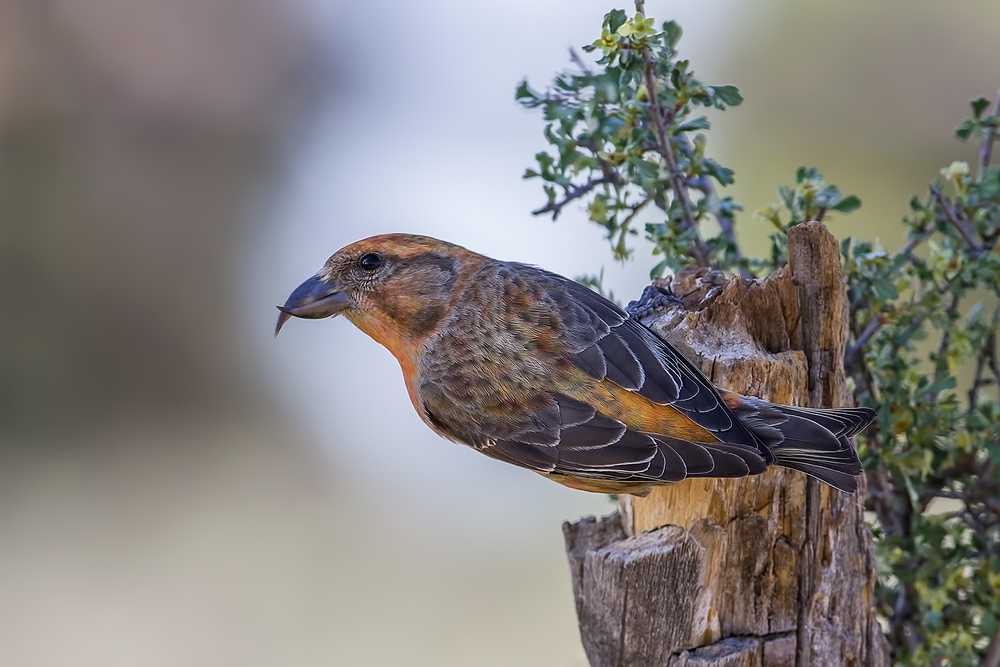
[986,148]
[609,173]
[993,359]
[987,357]
[874,324]
[913,243]
[635,211]
[920,318]
[992,657]
[699,251]
[556,207]
[951,311]
[704,184]
[960,225]
[992,504]
[575,57]
[977,382]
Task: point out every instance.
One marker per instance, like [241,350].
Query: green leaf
[979,105]
[671,33]
[898,262]
[988,624]
[941,384]
[699,123]
[847,204]
[524,94]
[964,131]
[723,175]
[787,198]
[885,289]
[647,169]
[730,95]
[615,19]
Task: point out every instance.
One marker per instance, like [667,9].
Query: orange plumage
[536,370]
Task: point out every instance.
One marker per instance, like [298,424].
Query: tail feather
[842,422]
[839,480]
[813,441]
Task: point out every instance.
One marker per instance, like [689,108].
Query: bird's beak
[314,299]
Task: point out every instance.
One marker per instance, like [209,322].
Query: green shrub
[626,143]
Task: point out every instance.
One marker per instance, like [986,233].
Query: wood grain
[776,569]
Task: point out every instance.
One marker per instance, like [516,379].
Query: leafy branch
[923,320]
[938,586]
[622,138]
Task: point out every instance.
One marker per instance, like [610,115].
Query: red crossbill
[537,370]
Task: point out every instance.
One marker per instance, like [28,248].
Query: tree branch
[575,57]
[987,358]
[608,172]
[635,211]
[556,207]
[874,324]
[949,214]
[913,243]
[992,657]
[951,311]
[986,151]
[699,251]
[704,184]
[977,381]
[854,353]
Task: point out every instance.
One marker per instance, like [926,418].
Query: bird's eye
[370,262]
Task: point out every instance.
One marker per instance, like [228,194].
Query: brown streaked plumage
[534,369]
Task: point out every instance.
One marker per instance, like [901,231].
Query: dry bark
[776,569]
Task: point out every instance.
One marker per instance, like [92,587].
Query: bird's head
[394,287]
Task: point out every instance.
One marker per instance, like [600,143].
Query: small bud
[956,171]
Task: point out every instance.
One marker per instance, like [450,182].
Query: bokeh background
[177,487]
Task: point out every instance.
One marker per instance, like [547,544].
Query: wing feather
[621,363]
[667,377]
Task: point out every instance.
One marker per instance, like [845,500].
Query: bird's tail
[813,441]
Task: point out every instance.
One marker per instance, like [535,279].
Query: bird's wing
[572,438]
[623,351]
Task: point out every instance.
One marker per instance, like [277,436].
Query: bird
[536,370]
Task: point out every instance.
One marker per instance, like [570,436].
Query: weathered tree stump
[776,569]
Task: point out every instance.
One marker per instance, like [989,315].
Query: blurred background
[176,486]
